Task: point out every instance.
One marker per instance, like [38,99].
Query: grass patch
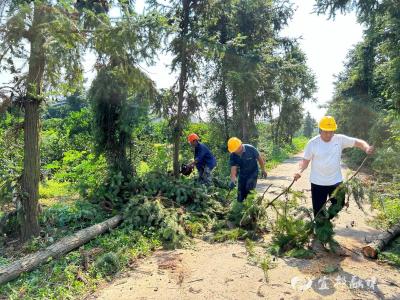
[275,155]
[392,253]
[389,212]
[385,198]
[300,253]
[65,278]
[229,235]
[55,189]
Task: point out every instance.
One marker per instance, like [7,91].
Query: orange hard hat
[192,137]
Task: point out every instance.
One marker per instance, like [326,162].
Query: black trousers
[320,194]
[245,186]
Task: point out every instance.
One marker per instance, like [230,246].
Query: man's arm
[233,173]
[364,146]
[262,165]
[302,166]
[232,184]
[198,155]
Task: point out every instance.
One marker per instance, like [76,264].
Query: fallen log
[373,248]
[59,248]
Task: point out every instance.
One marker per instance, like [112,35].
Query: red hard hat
[192,137]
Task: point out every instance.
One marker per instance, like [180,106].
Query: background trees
[255,72]
[227,54]
[41,35]
[366,100]
[107,145]
[309,125]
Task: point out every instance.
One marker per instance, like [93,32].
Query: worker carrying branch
[204,160]
[243,160]
[325,151]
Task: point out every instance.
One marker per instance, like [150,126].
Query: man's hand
[369,150]
[296,176]
[264,174]
[232,185]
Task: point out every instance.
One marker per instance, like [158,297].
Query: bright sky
[325,42]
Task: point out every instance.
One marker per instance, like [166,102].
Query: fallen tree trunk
[373,248]
[63,246]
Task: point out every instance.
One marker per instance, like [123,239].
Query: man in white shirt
[325,151]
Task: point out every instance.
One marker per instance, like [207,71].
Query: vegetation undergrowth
[69,277]
[275,155]
[166,212]
[385,198]
[295,225]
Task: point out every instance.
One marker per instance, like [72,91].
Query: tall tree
[309,125]
[380,60]
[249,64]
[121,88]
[296,85]
[187,31]
[44,36]
[367,93]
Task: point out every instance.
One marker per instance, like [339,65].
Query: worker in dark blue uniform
[244,160]
[203,159]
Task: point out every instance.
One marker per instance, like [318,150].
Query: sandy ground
[223,271]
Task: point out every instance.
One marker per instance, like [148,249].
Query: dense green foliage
[367,96]
[105,151]
[254,71]
[72,170]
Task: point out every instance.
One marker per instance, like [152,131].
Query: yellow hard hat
[327,123]
[234,144]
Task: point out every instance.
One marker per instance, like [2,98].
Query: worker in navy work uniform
[204,160]
[244,159]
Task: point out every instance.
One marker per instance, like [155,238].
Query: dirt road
[223,271]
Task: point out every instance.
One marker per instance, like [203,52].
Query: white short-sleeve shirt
[326,157]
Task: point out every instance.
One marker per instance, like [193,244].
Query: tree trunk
[31,167]
[277,128]
[31,173]
[63,246]
[177,134]
[224,101]
[225,108]
[245,127]
[182,84]
[373,248]
[253,134]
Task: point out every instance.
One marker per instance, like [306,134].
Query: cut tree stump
[59,248]
[373,248]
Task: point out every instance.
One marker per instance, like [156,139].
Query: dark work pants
[245,186]
[205,176]
[320,194]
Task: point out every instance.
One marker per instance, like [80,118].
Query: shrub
[107,264]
